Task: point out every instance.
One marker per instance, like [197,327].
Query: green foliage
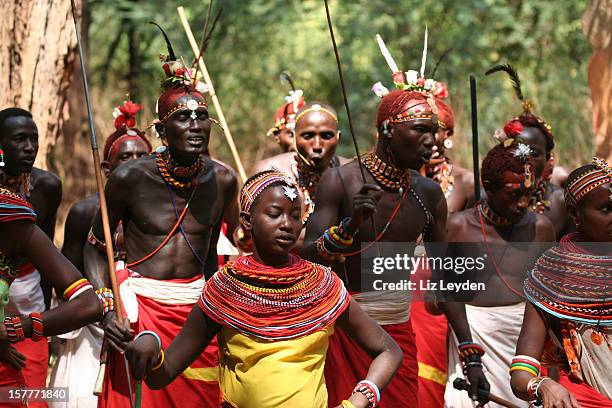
[258,39]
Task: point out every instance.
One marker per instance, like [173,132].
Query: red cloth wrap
[347,364]
[396,102]
[430,333]
[33,375]
[166,321]
[445,114]
[167,100]
[587,396]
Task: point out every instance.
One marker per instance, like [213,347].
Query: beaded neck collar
[175,175]
[387,175]
[491,217]
[17,184]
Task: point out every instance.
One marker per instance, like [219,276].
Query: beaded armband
[107,299]
[76,288]
[527,364]
[14,329]
[335,240]
[93,240]
[37,326]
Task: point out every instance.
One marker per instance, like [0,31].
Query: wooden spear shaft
[211,90]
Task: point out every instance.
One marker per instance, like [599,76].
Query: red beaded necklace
[171,171]
[386,174]
[488,213]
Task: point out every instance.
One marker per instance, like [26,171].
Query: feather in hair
[516,81]
[171,54]
[424,57]
[385,52]
[444,54]
[285,77]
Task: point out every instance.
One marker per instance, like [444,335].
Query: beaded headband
[316,108]
[586,182]
[258,183]
[192,105]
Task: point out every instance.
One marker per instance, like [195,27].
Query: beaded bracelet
[37,326]
[469,348]
[527,364]
[150,333]
[161,361]
[325,253]
[471,364]
[537,387]
[107,299]
[344,230]
[76,288]
[369,390]
[14,329]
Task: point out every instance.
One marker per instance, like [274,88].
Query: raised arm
[386,354]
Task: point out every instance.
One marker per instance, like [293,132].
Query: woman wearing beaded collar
[568,317]
[273,313]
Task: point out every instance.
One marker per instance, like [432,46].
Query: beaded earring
[2,163]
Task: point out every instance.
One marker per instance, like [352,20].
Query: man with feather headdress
[171,205]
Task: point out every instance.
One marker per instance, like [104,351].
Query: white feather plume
[386,54]
[424,58]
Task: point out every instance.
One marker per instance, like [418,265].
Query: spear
[346,106]
[475,137]
[102,197]
[211,91]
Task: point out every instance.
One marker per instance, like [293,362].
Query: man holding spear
[171,205]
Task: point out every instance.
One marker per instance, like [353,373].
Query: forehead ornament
[290,192]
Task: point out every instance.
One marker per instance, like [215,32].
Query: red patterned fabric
[37,363]
[398,101]
[587,396]
[445,114]
[167,321]
[168,99]
[346,364]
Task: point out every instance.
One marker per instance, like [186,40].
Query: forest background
[256,40]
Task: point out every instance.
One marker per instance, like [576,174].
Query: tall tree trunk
[37,44]
[597,26]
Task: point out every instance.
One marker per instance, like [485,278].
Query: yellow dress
[256,373]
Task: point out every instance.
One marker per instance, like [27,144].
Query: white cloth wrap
[165,292]
[496,329]
[386,307]
[26,296]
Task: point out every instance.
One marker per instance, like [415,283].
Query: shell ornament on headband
[410,80]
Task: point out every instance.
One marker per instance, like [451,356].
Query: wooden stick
[211,91]
[110,257]
[476,161]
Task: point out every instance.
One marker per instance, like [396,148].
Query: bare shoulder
[426,188]
[465,177]
[280,162]
[84,209]
[224,174]
[545,230]
[133,171]
[458,220]
[46,180]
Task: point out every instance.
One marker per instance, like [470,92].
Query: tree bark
[597,27]
[37,54]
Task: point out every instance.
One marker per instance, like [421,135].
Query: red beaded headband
[578,188]
[258,184]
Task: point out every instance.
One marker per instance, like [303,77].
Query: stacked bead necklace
[490,215]
[387,175]
[537,203]
[175,175]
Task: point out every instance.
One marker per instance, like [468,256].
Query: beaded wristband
[14,330]
[374,386]
[37,326]
[161,362]
[344,230]
[151,333]
[469,348]
[369,390]
[537,388]
[107,299]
